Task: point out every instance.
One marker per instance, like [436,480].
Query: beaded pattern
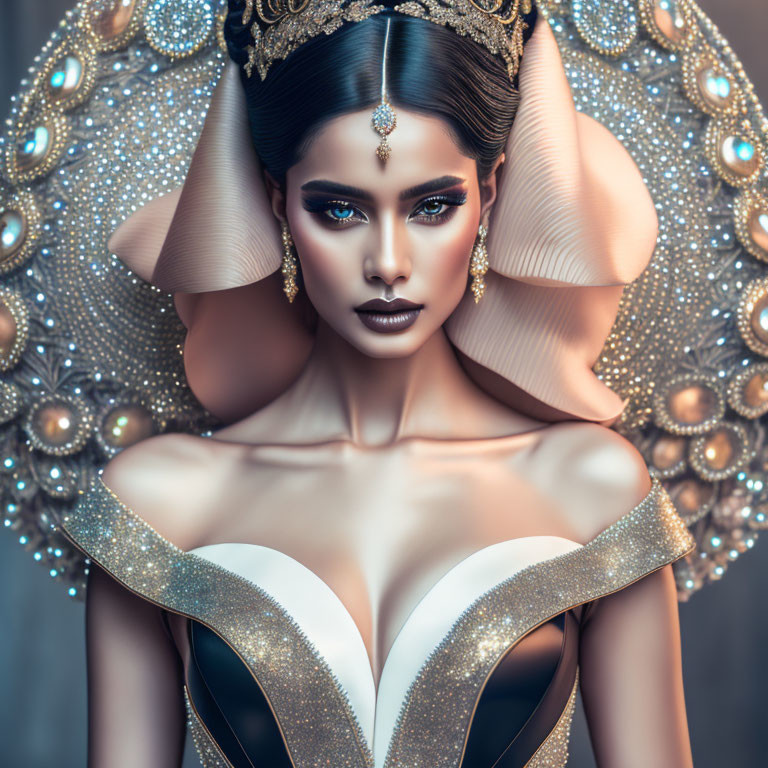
[553,753]
[435,718]
[207,749]
[436,714]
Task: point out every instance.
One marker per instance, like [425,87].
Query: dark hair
[430,69]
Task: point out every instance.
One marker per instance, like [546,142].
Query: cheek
[447,268]
[325,270]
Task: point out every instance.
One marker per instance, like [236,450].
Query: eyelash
[323,207]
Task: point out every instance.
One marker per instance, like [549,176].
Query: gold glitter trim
[285,664]
[437,712]
[209,752]
[553,752]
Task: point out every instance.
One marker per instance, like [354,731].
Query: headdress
[280,26]
[648,126]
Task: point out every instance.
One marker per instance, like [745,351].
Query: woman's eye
[340,212]
[433,207]
[438,209]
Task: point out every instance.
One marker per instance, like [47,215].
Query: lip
[388,316]
[380,305]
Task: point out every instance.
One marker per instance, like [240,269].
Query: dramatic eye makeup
[336,212]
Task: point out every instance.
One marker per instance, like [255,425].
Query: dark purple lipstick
[388,316]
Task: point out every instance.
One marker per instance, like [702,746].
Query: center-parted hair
[431,70]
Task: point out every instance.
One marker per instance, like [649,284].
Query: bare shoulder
[594,474]
[170,481]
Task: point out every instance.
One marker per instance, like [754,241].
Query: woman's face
[367,231]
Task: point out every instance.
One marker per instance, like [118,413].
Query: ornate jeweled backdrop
[90,357]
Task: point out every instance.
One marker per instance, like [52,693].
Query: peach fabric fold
[573,222]
[572,206]
[217,231]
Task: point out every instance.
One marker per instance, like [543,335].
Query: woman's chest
[381,528]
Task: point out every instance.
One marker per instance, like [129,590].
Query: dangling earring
[478,265]
[289,265]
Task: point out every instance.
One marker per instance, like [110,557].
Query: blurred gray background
[42,638]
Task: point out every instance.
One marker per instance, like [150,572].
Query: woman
[415,564]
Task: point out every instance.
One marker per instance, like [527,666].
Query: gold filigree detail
[289,23]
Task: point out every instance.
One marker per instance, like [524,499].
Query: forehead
[345,150]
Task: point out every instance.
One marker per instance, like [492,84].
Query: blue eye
[340,212]
[433,207]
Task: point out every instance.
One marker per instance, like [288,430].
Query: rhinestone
[608,26]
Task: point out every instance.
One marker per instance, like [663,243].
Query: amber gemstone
[688,496]
[111,22]
[670,20]
[8,331]
[55,424]
[758,319]
[692,404]
[757,226]
[755,391]
[668,451]
[720,449]
[126,425]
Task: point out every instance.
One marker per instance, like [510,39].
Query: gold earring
[478,264]
[289,265]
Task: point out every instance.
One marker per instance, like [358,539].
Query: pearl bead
[739,155]
[13,231]
[32,150]
[714,87]
[65,78]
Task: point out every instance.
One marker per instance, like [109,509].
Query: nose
[389,255]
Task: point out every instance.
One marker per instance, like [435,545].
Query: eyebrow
[344,190]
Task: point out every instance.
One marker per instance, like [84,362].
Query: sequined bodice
[264,624]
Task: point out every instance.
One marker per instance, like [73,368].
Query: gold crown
[284,25]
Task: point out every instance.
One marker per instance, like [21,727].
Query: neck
[346,395]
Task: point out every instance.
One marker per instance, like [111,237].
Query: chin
[389,345]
